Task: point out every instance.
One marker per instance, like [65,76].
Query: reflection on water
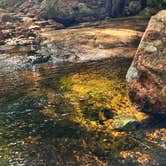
[61,114]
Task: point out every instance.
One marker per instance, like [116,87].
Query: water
[61,114]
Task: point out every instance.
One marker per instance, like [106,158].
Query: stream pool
[61,115]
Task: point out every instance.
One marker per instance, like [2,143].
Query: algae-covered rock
[125,122]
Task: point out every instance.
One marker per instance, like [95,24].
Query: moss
[96,98]
[65,83]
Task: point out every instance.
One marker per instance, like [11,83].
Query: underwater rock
[147,82]
[125,122]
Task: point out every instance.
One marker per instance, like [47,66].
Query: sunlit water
[61,114]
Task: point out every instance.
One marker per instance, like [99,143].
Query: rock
[83,9]
[1,36]
[36,59]
[69,12]
[150,49]
[34,27]
[146,78]
[134,7]
[148,12]
[9,25]
[5,18]
[105,39]
[40,56]
[74,11]
[56,24]
[59,10]
[42,23]
[7,33]
[132,74]
[6,48]
[125,122]
[19,41]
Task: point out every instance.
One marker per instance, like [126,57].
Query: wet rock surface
[146,77]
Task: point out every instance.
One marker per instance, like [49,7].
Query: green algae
[69,120]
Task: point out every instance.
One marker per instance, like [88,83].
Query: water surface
[61,114]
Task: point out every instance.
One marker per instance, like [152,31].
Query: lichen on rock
[146,90]
[131,74]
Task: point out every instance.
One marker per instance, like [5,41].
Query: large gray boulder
[58,10]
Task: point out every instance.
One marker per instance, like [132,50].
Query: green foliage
[160,3]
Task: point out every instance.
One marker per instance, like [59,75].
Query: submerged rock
[39,56]
[146,78]
[125,122]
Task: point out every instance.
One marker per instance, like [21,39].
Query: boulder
[92,41]
[135,7]
[58,10]
[72,11]
[146,78]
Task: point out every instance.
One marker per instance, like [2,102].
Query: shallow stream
[61,114]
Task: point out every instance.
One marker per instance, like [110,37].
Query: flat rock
[93,41]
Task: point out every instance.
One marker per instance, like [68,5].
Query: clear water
[61,114]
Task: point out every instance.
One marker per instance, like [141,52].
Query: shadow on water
[41,125]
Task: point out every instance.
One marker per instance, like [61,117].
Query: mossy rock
[125,122]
